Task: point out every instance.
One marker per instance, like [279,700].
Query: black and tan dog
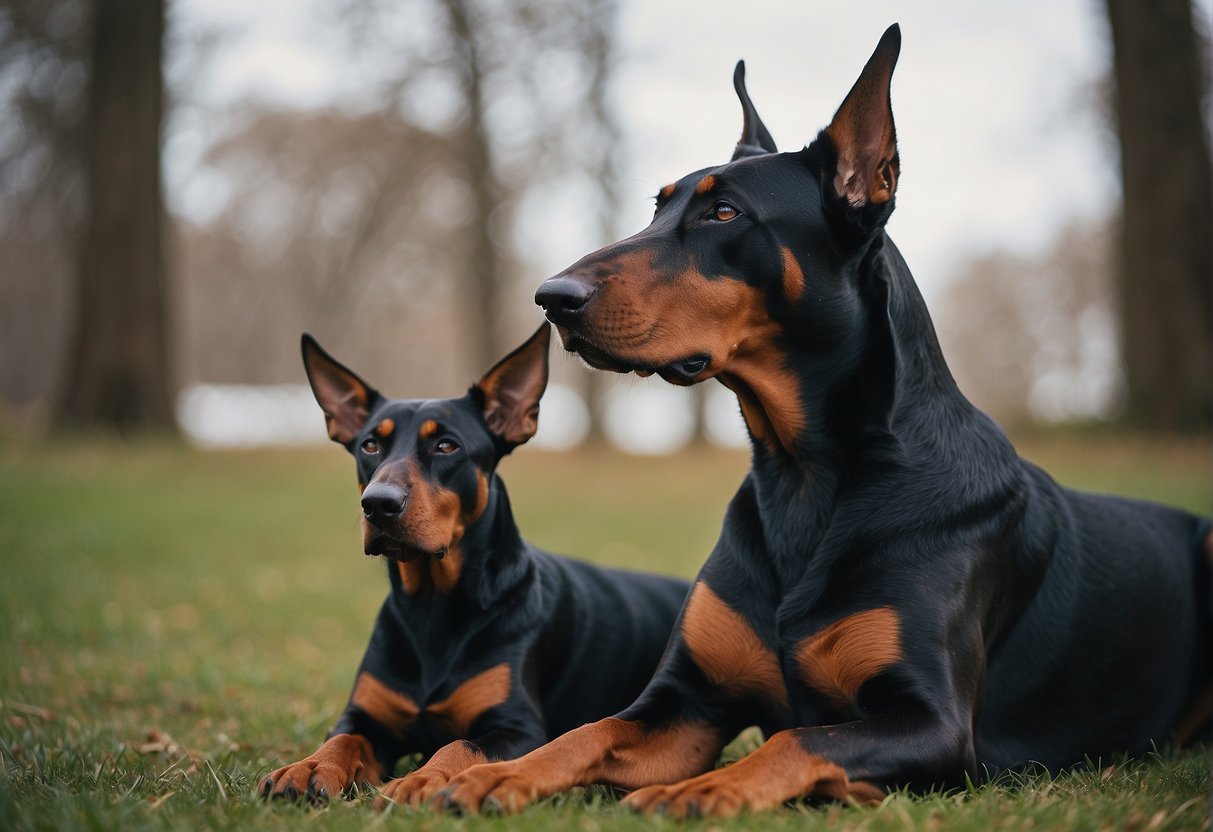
[896,597]
[485,647]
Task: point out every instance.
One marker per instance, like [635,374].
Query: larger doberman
[485,647]
[896,597]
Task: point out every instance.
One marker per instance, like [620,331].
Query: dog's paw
[499,788]
[688,799]
[343,762]
[413,790]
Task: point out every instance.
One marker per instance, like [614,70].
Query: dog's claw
[442,802]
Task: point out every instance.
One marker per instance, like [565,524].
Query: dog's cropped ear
[862,131]
[345,399]
[755,138]
[510,392]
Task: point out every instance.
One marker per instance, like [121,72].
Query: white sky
[996,105]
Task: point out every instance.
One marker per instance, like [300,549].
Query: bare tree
[606,164]
[486,271]
[521,74]
[399,209]
[43,85]
[1166,256]
[118,370]
[348,226]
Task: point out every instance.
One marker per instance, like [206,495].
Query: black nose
[382,501]
[563,297]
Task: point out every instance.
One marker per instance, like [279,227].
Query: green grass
[175,623]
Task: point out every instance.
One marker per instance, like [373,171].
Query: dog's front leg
[855,761]
[417,787]
[360,750]
[620,752]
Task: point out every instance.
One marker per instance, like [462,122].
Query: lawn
[177,622]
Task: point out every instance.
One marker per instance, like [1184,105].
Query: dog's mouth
[683,371]
[382,544]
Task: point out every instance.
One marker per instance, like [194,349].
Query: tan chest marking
[485,690]
[389,708]
[395,711]
[728,651]
[837,660]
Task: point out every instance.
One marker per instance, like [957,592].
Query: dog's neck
[882,398]
[812,404]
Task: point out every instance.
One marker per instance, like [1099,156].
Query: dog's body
[485,647]
[896,598]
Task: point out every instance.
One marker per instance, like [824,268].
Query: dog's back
[1117,592]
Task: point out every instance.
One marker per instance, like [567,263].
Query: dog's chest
[451,710]
[745,658]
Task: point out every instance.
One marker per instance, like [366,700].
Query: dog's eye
[370,445]
[723,212]
[446,446]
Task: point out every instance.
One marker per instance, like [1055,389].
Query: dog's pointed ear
[862,130]
[511,391]
[755,138]
[345,398]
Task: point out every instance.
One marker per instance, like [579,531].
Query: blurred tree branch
[528,79]
[1033,338]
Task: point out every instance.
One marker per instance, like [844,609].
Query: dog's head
[744,263]
[425,466]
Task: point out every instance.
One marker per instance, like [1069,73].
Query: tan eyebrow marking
[667,191]
[793,276]
[706,184]
[428,428]
[385,428]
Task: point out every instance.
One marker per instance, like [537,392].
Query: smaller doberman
[486,647]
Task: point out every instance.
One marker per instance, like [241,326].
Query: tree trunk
[118,370]
[599,17]
[486,272]
[1166,274]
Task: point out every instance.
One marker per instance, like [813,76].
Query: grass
[176,622]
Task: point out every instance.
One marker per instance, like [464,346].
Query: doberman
[486,646]
[896,598]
